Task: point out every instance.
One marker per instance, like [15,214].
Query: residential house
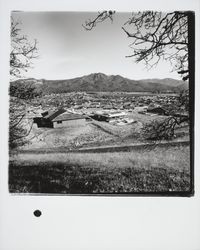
[157,110]
[59,118]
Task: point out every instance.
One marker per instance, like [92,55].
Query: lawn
[158,170]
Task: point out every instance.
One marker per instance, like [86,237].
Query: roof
[116,114]
[51,115]
[61,115]
[67,116]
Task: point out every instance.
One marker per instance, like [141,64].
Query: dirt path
[131,147]
[100,149]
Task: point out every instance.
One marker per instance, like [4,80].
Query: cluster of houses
[109,101]
[112,108]
[65,118]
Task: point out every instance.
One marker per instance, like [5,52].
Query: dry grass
[71,137]
[159,170]
[171,157]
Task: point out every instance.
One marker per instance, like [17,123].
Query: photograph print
[101,103]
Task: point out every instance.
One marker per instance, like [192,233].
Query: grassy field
[157,170]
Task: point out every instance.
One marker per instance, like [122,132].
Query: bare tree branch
[102,16]
[22,51]
[161,36]
[155,36]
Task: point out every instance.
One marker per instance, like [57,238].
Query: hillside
[99,82]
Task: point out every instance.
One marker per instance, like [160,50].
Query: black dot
[37,213]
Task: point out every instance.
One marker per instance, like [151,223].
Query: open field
[158,170]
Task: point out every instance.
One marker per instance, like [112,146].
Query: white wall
[69,123]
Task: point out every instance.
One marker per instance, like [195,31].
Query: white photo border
[73,222]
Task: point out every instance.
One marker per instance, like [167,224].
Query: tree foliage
[19,127]
[25,91]
[164,129]
[21,55]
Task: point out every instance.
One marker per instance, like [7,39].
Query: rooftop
[67,116]
[61,115]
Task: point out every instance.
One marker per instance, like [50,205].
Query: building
[157,110]
[141,110]
[107,116]
[59,118]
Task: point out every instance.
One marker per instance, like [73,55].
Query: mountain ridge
[100,82]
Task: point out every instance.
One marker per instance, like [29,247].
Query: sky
[66,50]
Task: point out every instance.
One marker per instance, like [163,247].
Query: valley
[106,147]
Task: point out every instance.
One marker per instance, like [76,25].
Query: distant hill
[99,82]
[167,81]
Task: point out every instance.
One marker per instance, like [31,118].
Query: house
[157,110]
[59,118]
[142,109]
[107,116]
[99,117]
[115,115]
